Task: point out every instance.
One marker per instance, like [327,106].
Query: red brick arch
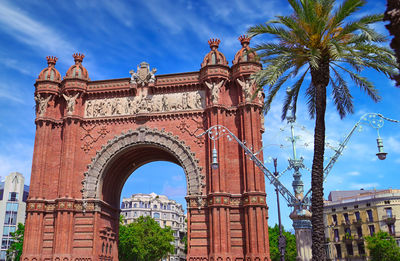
[91,135]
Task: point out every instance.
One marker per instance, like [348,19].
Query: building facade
[350,216]
[13,195]
[165,211]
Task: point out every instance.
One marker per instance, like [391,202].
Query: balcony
[359,238]
[346,223]
[357,222]
[348,239]
[389,219]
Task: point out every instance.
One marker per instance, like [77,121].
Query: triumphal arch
[91,135]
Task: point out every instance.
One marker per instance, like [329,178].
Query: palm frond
[341,94]
[292,95]
[363,83]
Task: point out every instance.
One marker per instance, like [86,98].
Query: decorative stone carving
[186,158]
[144,104]
[248,89]
[41,104]
[143,75]
[71,100]
[89,138]
[215,89]
[185,127]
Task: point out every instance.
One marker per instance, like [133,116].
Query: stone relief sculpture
[70,102]
[123,106]
[143,75]
[41,104]
[248,88]
[214,88]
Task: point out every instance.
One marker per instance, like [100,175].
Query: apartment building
[13,195]
[350,216]
[165,211]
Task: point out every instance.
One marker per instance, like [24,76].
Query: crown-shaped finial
[244,40]
[51,60]
[78,57]
[214,43]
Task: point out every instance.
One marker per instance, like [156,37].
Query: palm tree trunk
[320,80]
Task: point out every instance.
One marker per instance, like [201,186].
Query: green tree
[290,250]
[14,252]
[383,247]
[144,240]
[329,44]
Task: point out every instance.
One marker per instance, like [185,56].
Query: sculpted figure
[214,88]
[134,76]
[41,104]
[70,102]
[89,109]
[164,103]
[198,103]
[247,87]
[152,75]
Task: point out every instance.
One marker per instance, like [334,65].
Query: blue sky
[116,36]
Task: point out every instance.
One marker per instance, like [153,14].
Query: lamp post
[301,215]
[282,239]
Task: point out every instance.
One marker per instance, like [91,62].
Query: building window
[338,251]
[355,206]
[333,209]
[7,230]
[359,232]
[10,218]
[391,229]
[387,202]
[155,206]
[12,207]
[368,204]
[371,230]
[389,213]
[334,219]
[361,248]
[336,235]
[357,214]
[3,255]
[135,205]
[156,215]
[344,208]
[347,231]
[13,196]
[370,217]
[349,248]
[346,218]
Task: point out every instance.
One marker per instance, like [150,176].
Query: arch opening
[123,154]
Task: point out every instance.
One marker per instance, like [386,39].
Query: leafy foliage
[14,252]
[383,247]
[144,240]
[291,250]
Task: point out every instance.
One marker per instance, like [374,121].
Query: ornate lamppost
[301,215]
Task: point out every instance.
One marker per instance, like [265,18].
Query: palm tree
[329,44]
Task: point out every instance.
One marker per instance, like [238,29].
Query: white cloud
[31,32]
[364,185]
[353,173]
[9,95]
[173,191]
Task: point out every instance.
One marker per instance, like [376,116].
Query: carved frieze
[125,106]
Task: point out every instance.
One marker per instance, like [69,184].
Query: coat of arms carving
[143,75]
